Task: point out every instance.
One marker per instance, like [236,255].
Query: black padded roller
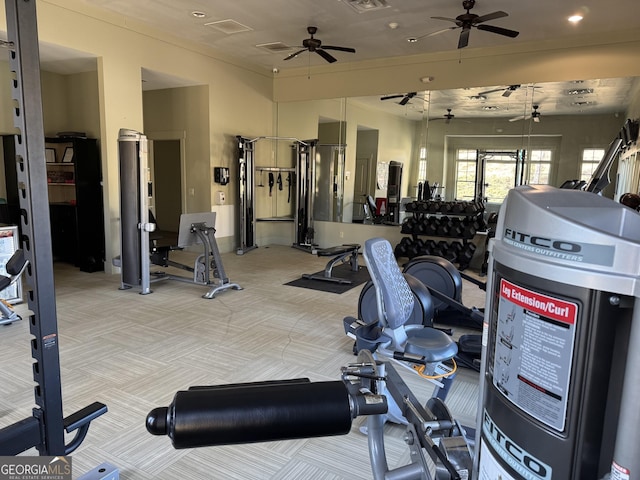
[253,413]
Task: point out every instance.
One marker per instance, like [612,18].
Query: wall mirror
[461,141]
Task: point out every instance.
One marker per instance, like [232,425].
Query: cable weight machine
[300,185]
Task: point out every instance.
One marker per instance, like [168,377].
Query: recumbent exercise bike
[278,410]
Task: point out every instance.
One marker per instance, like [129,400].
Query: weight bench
[341,254]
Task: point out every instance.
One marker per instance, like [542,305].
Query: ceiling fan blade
[521,117]
[293,55]
[499,30]
[446,19]
[389,97]
[464,38]
[509,90]
[433,34]
[341,49]
[490,16]
[329,58]
[491,91]
[404,101]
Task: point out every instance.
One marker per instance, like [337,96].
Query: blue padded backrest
[394,297]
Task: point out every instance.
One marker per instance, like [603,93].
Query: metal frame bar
[36,231]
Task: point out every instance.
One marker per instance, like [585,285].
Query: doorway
[166,171]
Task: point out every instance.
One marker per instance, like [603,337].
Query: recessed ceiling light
[198,14]
[575,18]
[428,79]
[393,25]
[412,39]
[580,91]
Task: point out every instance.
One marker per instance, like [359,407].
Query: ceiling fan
[405,98]
[447,117]
[312,44]
[468,20]
[534,115]
[506,92]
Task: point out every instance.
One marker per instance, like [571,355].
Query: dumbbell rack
[460,220]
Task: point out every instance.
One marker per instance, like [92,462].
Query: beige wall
[239,100]
[612,54]
[241,97]
[184,111]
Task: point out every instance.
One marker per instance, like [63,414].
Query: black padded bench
[341,254]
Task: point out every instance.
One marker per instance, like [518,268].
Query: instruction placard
[533,352]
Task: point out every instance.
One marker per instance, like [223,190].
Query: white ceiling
[380,29]
[370,32]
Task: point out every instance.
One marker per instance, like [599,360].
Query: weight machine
[301,182]
[559,379]
[139,250]
[196,229]
[45,428]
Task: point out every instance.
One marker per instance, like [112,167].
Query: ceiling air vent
[228,26]
[362,6]
[275,47]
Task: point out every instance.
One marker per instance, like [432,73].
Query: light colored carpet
[133,352]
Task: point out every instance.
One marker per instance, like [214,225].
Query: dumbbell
[457,228]
[444,226]
[433,206]
[466,255]
[458,207]
[408,225]
[429,247]
[401,248]
[454,250]
[423,207]
[431,226]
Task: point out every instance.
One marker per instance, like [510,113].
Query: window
[500,175]
[422,165]
[590,159]
[539,167]
[465,174]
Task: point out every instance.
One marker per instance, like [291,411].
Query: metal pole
[35,224]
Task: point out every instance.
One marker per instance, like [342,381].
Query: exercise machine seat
[395,302]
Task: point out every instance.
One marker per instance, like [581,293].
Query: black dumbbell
[458,207]
[431,226]
[466,255]
[401,248]
[408,225]
[457,227]
[444,226]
